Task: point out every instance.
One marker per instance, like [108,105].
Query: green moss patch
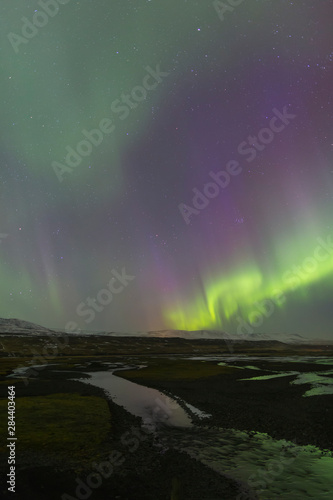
[167,369]
[7,365]
[65,424]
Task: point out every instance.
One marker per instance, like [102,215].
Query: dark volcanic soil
[147,472]
[271,406]
[150,471]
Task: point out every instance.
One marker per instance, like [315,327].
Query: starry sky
[167,165]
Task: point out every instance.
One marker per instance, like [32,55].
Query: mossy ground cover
[176,369]
[8,364]
[69,422]
[62,424]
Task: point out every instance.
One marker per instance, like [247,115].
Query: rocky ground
[143,470]
[56,467]
[271,406]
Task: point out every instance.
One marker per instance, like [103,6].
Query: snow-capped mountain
[220,335]
[18,326]
[21,327]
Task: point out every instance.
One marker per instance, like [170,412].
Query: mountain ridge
[21,327]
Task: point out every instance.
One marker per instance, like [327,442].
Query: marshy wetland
[173,419]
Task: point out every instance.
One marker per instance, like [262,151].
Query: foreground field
[67,428]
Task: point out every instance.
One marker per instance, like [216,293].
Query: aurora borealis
[140,105]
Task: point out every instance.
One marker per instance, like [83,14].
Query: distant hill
[216,334]
[20,327]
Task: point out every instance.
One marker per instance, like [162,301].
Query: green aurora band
[240,292]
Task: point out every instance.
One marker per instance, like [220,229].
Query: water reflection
[151,405]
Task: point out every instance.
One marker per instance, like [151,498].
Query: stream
[274,469]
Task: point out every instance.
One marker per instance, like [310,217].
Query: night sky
[167,165]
